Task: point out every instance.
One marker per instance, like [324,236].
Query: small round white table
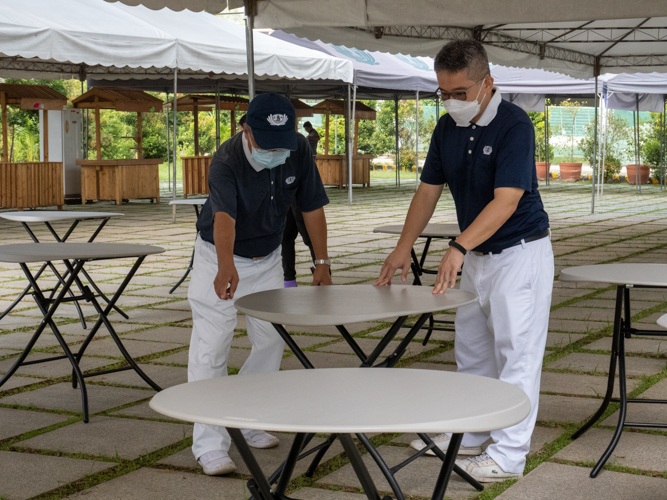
[337,305]
[74,256]
[465,403]
[196,203]
[626,277]
[47,217]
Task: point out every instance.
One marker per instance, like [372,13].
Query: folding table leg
[612,366]
[359,467]
[288,467]
[384,468]
[187,272]
[48,319]
[261,485]
[447,466]
[103,319]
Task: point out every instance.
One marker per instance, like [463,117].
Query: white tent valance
[57,39]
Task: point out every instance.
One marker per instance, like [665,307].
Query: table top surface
[346,304]
[618,274]
[662,321]
[42,252]
[430,231]
[53,215]
[349,400]
[189,201]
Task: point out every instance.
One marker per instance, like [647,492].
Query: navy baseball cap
[271,118]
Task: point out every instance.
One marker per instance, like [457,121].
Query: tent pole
[168,145]
[348,145]
[174,156]
[335,134]
[663,149]
[397,166]
[217,117]
[605,118]
[354,148]
[195,112]
[546,142]
[417,144]
[638,187]
[249,25]
[595,145]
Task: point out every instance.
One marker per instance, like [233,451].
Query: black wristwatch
[459,247]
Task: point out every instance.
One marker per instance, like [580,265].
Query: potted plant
[617,136]
[542,156]
[652,151]
[570,171]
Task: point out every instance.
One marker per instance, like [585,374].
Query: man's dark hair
[307,125]
[460,55]
[242,121]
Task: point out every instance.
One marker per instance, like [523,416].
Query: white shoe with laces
[260,439]
[484,469]
[442,442]
[216,463]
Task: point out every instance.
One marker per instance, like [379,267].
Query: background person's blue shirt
[475,160]
[259,201]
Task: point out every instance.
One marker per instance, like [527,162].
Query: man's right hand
[398,259]
[226,280]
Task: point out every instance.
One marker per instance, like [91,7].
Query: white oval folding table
[465,403]
[626,277]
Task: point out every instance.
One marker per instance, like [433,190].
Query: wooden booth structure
[333,167]
[38,183]
[195,168]
[119,180]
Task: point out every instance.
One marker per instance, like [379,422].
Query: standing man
[484,150]
[313,136]
[254,178]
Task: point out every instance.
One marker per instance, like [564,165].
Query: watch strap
[459,247]
[322,261]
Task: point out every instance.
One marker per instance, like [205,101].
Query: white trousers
[503,334]
[214,321]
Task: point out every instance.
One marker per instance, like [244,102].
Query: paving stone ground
[128,451]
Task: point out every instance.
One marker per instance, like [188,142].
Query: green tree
[539,123]
[570,110]
[617,138]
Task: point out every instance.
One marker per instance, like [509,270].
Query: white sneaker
[442,442]
[260,439]
[216,463]
[485,469]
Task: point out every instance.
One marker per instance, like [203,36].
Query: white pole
[217,117]
[351,147]
[638,186]
[335,134]
[417,146]
[168,146]
[175,156]
[595,145]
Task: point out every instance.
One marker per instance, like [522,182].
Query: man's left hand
[450,265]
[321,276]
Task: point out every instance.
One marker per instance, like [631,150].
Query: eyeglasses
[459,96]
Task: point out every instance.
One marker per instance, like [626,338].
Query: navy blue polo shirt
[259,201]
[475,160]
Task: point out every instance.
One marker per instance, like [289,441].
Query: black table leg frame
[622,330]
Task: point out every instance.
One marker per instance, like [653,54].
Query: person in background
[313,136]
[254,178]
[484,149]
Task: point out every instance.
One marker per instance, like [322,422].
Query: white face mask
[463,111]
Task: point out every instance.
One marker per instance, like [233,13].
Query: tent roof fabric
[78,38]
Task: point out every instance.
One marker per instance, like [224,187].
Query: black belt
[525,240]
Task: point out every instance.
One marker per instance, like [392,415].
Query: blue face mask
[269,159]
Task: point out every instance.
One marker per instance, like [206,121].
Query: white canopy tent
[83,38]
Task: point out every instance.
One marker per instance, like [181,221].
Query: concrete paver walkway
[128,451]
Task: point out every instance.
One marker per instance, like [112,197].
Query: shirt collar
[491,109]
[248,154]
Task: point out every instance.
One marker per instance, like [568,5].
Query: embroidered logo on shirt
[487,150]
[277,120]
[290,180]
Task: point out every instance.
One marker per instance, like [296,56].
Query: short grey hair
[460,55]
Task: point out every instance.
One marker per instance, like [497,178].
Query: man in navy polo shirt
[253,179]
[484,150]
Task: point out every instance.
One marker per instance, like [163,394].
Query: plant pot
[570,171]
[644,172]
[542,169]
